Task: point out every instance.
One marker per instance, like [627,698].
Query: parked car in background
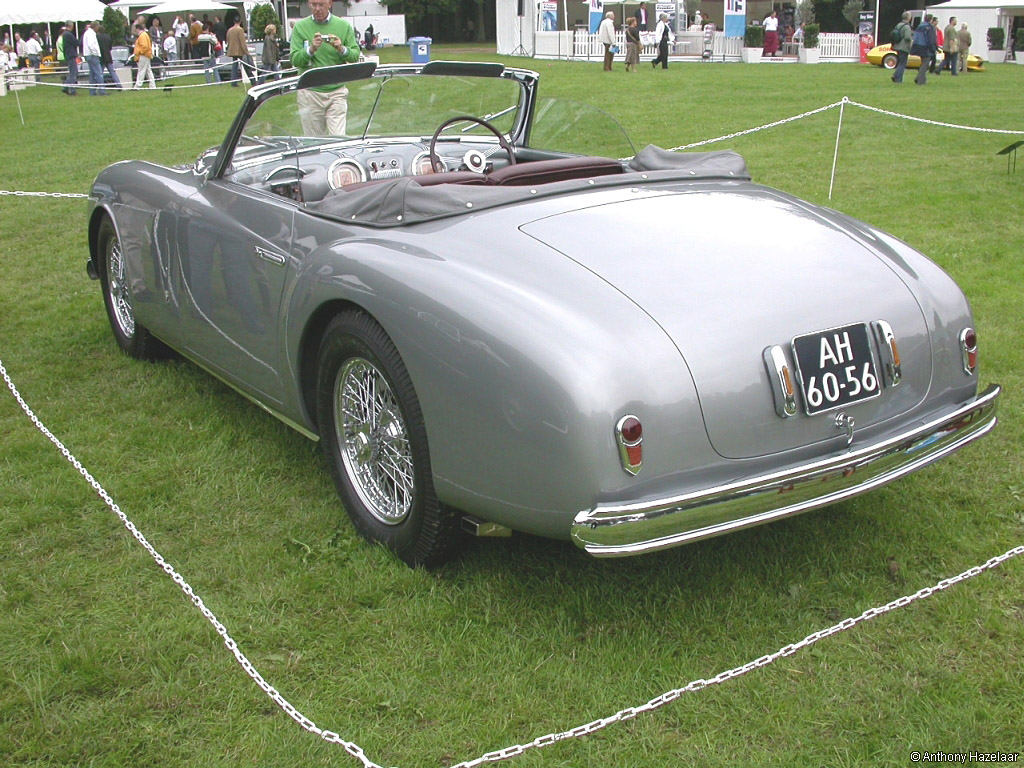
[454,297]
[884,56]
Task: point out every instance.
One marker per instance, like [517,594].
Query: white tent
[42,11]
[516,33]
[979,16]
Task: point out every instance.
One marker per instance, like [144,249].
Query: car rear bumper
[617,530]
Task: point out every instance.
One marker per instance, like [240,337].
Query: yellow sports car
[885,56]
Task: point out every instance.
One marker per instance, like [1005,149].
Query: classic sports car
[885,56]
[486,333]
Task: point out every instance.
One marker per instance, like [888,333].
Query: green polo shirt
[326,55]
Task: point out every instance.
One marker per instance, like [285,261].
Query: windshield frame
[346,73]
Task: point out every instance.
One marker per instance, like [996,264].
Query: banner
[735,18]
[596,15]
[548,17]
[866,30]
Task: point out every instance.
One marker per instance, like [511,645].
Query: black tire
[377,446]
[889,61]
[134,339]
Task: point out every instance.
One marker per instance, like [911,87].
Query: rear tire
[372,431]
[133,339]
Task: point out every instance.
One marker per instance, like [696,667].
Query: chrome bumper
[616,530]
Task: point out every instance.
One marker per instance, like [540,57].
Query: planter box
[751,55]
[1019,55]
[992,56]
[808,55]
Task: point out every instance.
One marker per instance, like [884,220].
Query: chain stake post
[835,155]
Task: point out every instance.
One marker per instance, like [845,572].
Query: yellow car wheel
[889,61]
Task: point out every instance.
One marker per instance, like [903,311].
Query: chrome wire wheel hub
[120,300]
[373,441]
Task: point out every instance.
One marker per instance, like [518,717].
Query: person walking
[91,52]
[606,36]
[965,45]
[238,49]
[902,48]
[143,53]
[271,58]
[950,48]
[924,46]
[106,59]
[632,45]
[663,34]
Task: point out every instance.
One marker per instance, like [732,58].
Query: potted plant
[753,44]
[808,51]
[996,44]
[1018,45]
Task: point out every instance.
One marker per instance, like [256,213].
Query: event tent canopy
[42,11]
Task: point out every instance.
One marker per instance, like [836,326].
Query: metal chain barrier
[9,193]
[595,725]
[541,741]
[844,101]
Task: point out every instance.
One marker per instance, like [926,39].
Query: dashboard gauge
[421,164]
[344,172]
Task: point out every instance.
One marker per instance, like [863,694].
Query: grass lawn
[104,663]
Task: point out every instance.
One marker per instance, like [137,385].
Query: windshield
[401,105]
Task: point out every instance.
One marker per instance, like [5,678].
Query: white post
[835,156]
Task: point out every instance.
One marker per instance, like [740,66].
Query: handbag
[614,49]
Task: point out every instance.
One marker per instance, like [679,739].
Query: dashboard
[309,173]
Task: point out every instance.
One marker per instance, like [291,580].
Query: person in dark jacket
[70,42]
[106,60]
[925,45]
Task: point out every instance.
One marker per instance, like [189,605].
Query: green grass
[104,663]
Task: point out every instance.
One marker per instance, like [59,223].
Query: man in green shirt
[323,40]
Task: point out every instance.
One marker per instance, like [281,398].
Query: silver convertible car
[489,326]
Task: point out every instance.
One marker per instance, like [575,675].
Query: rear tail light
[969,350]
[629,434]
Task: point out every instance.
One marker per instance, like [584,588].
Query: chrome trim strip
[615,530]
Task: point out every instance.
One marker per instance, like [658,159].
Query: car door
[234,265]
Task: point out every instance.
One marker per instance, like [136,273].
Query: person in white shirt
[170,46]
[664,35]
[771,34]
[91,52]
[180,31]
[606,36]
[33,50]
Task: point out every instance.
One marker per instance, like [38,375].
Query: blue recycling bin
[419,47]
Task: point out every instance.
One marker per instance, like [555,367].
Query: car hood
[727,273]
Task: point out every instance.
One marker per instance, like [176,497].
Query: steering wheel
[435,160]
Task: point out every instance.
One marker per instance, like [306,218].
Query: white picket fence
[833,46]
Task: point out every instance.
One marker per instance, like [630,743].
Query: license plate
[836,368]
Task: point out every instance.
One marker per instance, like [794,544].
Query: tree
[425,17]
[262,15]
[851,12]
[116,24]
[805,12]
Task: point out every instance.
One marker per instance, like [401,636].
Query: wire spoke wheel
[374,441]
[373,434]
[117,289]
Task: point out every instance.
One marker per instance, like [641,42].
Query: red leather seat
[547,171]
